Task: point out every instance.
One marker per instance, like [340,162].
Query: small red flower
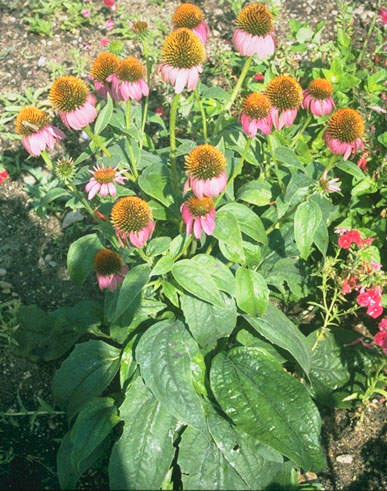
[160,111]
[383,324]
[3,175]
[259,77]
[362,162]
[374,310]
[347,239]
[380,339]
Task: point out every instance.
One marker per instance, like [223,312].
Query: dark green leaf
[306,221]
[156,181]
[252,294]
[132,285]
[268,404]
[80,258]
[84,375]
[142,456]
[227,231]
[288,156]
[255,192]
[164,354]
[219,272]
[248,221]
[104,116]
[163,266]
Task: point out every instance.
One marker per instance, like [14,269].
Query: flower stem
[127,113]
[143,256]
[127,124]
[204,122]
[275,163]
[172,136]
[185,248]
[85,203]
[308,120]
[47,160]
[95,138]
[146,104]
[237,170]
[234,94]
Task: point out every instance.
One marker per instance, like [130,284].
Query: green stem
[185,248]
[33,413]
[94,138]
[47,160]
[237,169]
[127,113]
[275,163]
[299,134]
[203,113]
[143,256]
[85,203]
[331,162]
[172,136]
[234,94]
[146,104]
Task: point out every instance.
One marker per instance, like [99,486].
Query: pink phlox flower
[35,143]
[367,241]
[249,45]
[349,284]
[259,77]
[362,162]
[347,239]
[318,107]
[103,181]
[113,280]
[380,339]
[123,90]
[383,15]
[180,77]
[371,298]
[205,222]
[104,42]
[109,24]
[82,116]
[86,13]
[3,175]
[382,326]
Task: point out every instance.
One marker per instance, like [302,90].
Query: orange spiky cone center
[104,65]
[183,49]
[205,162]
[107,262]
[130,214]
[199,207]
[30,120]
[320,88]
[256,105]
[105,175]
[187,15]
[68,93]
[256,19]
[130,70]
[346,125]
[284,92]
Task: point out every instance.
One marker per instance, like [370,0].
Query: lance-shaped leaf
[268,404]
[252,293]
[80,257]
[132,285]
[164,354]
[306,221]
[142,456]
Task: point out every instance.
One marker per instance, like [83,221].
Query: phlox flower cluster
[380,338]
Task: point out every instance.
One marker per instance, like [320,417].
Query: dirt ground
[33,268]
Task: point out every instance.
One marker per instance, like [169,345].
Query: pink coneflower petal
[94,191]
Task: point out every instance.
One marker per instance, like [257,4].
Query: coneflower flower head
[32,124]
[318,97]
[192,17]
[128,81]
[181,58]
[205,166]
[65,170]
[198,214]
[140,27]
[132,220]
[285,95]
[254,32]
[103,181]
[109,269]
[71,97]
[104,65]
[344,132]
[255,114]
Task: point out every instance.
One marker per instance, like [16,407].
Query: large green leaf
[288,156]
[142,456]
[252,293]
[132,285]
[268,404]
[228,232]
[255,192]
[207,322]
[80,258]
[164,354]
[104,116]
[195,278]
[92,426]
[86,373]
[156,182]
[306,221]
[249,222]
[279,330]
[255,462]
[219,272]
[203,465]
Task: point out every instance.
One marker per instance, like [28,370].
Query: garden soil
[33,269]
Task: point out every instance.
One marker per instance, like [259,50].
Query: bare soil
[33,266]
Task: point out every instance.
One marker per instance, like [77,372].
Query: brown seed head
[104,65]
[30,120]
[284,92]
[256,105]
[256,19]
[205,162]
[131,69]
[183,49]
[130,214]
[320,88]
[107,262]
[68,93]
[140,27]
[346,125]
[187,15]
[199,207]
